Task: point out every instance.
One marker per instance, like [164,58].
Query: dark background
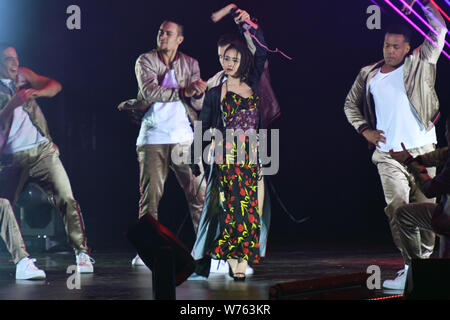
[325,168]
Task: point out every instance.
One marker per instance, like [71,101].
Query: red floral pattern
[239,185]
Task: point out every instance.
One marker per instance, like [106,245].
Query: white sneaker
[219,266]
[26,270]
[249,271]
[196,277]
[399,282]
[137,262]
[84,263]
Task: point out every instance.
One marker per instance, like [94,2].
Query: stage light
[7,15]
[422,19]
[439,8]
[415,26]
[433,16]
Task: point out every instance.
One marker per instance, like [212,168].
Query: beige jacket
[31,107]
[419,79]
[150,71]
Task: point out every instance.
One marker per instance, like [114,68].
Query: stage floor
[116,279]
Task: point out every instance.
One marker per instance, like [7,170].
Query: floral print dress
[238,182]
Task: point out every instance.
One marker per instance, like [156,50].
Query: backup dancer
[394,101]
[27,153]
[170,93]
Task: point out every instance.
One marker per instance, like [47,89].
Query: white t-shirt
[166,122]
[23,134]
[395,114]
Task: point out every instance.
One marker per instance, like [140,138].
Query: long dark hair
[246,64]
[230,38]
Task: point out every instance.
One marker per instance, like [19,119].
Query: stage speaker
[34,212]
[428,279]
[168,259]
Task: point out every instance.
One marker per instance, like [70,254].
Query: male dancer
[27,153]
[393,101]
[169,87]
[10,233]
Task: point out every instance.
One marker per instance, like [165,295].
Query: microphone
[231,9]
[248,24]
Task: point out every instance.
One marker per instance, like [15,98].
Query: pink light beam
[422,19]
[415,26]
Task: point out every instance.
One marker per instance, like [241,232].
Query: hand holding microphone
[220,14]
[240,16]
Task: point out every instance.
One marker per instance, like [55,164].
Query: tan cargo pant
[10,232]
[412,218]
[154,163]
[399,189]
[41,165]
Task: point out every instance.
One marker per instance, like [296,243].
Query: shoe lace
[401,273]
[30,264]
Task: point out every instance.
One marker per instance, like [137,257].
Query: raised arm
[429,51]
[256,43]
[240,17]
[246,26]
[260,54]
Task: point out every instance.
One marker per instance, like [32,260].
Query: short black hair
[177,22]
[400,28]
[246,63]
[230,38]
[4,46]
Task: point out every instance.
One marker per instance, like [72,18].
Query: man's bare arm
[431,51]
[41,86]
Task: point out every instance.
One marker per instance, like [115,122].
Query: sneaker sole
[388,287]
[32,278]
[219,271]
[85,270]
[197,278]
[138,265]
